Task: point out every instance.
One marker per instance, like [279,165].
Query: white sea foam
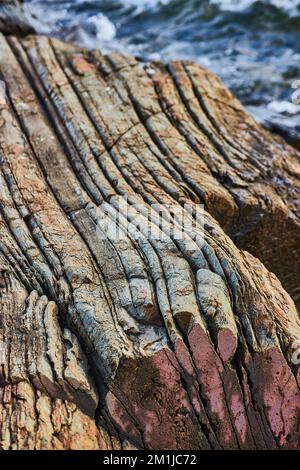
[284,107]
[240,5]
[229,5]
[105,29]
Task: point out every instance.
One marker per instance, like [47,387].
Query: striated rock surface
[180,340]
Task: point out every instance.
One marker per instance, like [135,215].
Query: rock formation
[181,340]
[14,18]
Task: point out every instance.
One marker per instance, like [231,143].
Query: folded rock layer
[111,338]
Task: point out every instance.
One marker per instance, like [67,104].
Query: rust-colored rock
[160,342]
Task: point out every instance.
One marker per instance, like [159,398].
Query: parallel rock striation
[177,341]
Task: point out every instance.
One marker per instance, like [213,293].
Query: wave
[105,29]
[227,5]
[253,45]
[145,4]
[291,6]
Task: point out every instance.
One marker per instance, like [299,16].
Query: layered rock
[179,340]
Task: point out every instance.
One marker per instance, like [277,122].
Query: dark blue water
[253,45]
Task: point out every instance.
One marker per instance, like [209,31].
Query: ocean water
[254,46]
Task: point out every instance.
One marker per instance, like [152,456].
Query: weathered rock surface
[181,341]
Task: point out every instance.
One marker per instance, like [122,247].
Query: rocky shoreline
[186,340]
